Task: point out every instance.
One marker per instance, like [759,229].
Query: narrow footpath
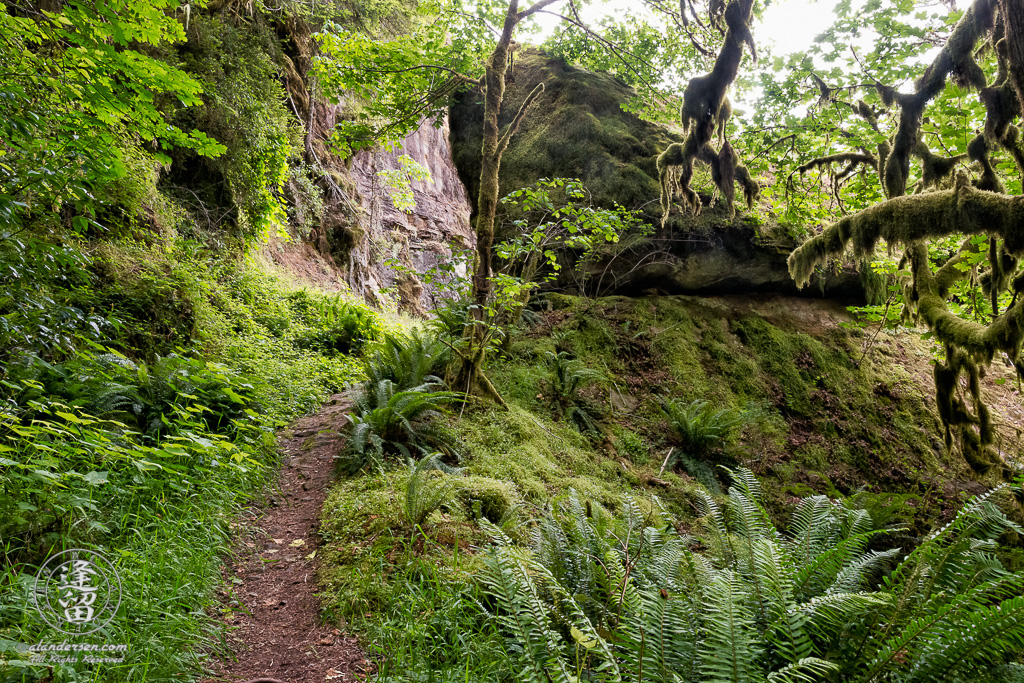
[278,635]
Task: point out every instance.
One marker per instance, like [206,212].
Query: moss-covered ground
[826,418]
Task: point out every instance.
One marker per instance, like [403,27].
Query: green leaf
[96,478]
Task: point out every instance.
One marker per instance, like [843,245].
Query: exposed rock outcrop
[361,230]
[431,232]
[578,129]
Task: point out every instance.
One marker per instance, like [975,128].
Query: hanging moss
[876,285]
[1012,143]
[974,430]
[751,189]
[967,74]
[1001,107]
[726,179]
[1002,267]
[884,150]
[724,114]
[935,169]
[705,108]
[909,221]
[954,56]
[978,150]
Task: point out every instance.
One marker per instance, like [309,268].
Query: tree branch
[910,218]
[611,46]
[536,7]
[514,126]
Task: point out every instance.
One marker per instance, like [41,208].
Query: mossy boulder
[491,499]
[578,129]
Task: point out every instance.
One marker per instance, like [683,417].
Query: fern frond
[522,612]
[730,648]
[425,493]
[986,634]
[823,568]
[854,574]
[708,507]
[807,670]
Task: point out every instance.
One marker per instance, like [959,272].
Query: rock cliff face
[374,245]
[361,231]
[432,232]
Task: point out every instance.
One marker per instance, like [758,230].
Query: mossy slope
[826,421]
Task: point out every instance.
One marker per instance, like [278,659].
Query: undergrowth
[144,426]
[675,387]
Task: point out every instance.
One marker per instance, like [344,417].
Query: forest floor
[271,582]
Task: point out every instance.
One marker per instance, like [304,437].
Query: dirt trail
[279,635]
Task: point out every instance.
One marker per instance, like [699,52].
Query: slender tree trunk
[471,378]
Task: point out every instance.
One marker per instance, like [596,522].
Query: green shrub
[345,326]
[150,396]
[39,311]
[68,479]
[629,598]
[566,378]
[408,360]
[699,427]
[388,423]
[427,488]
[159,449]
[145,397]
[450,319]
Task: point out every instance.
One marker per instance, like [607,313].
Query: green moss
[576,129]
[633,446]
[816,411]
[368,547]
[542,458]
[821,426]
[490,498]
[777,353]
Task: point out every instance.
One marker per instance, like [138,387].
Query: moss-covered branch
[845,158]
[706,110]
[956,55]
[968,208]
[967,344]
[909,219]
[514,126]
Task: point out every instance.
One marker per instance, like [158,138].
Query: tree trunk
[1013,19]
[471,377]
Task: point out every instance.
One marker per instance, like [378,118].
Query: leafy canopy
[77,88]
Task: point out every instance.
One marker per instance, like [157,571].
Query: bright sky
[793,24]
[790,24]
